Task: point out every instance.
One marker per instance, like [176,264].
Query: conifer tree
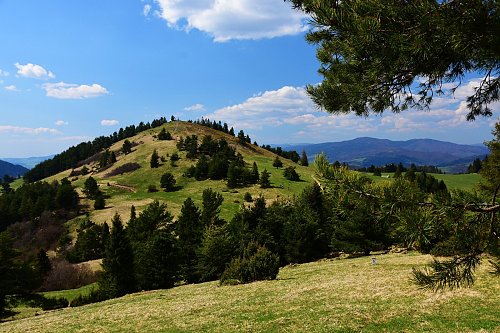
[126,147]
[211,207]
[303,159]
[117,278]
[264,179]
[189,230]
[154,162]
[277,162]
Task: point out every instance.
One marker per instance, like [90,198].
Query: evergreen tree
[424,43]
[211,207]
[290,174]
[255,173]
[112,157]
[303,159]
[264,179]
[167,182]
[117,278]
[241,137]
[189,230]
[100,202]
[126,147]
[490,169]
[90,187]
[277,162]
[154,162]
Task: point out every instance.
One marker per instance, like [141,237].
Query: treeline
[70,158]
[398,168]
[31,200]
[242,138]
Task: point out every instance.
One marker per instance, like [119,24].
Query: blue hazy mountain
[10,169]
[363,152]
[27,162]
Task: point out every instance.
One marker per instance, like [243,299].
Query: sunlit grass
[348,295]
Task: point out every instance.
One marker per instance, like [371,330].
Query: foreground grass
[325,296]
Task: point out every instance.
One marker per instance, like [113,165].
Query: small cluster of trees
[290,155]
[92,191]
[214,125]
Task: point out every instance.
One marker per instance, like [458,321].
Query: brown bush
[127,167]
[68,276]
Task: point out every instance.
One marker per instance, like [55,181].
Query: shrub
[152,188]
[248,197]
[257,263]
[68,276]
[93,297]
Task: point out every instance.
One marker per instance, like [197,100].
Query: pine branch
[453,273]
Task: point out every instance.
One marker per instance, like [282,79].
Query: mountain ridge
[364,151]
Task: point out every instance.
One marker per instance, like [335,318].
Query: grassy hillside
[466,182]
[131,188]
[348,295]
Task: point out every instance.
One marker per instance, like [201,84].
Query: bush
[152,188]
[46,303]
[258,263]
[68,276]
[248,197]
[93,297]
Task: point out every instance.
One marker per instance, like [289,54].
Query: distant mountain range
[27,162]
[363,152]
[10,169]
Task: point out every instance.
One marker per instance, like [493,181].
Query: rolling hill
[363,152]
[131,188]
[10,169]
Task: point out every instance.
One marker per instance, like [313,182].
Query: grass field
[347,295]
[467,182]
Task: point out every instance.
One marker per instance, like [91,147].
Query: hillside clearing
[348,295]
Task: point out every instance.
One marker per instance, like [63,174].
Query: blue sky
[73,70]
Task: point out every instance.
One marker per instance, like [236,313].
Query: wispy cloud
[195,107]
[63,90]
[233,19]
[27,130]
[61,123]
[11,88]
[109,122]
[34,71]
[3,73]
[146,10]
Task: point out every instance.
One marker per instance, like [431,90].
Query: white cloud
[34,71]
[146,10]
[268,108]
[4,73]
[195,107]
[11,88]
[63,90]
[292,107]
[234,19]
[27,130]
[109,122]
[61,123]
